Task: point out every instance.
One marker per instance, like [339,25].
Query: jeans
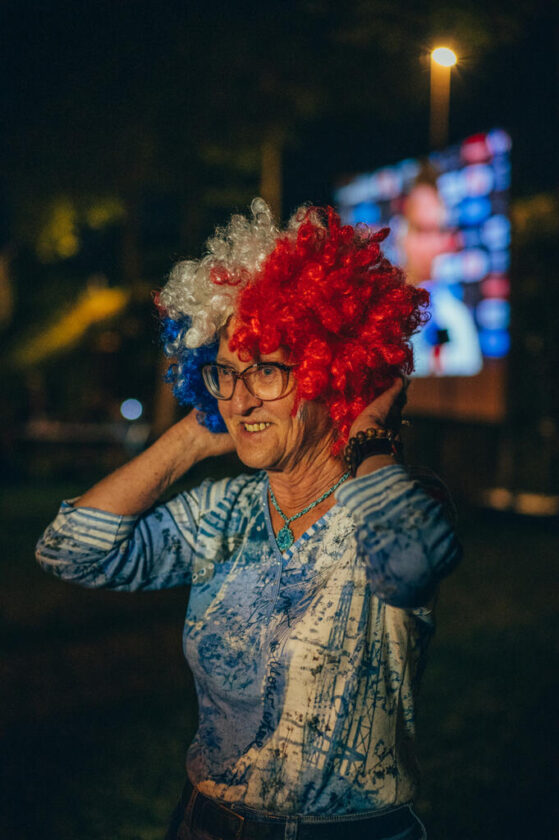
[198,818]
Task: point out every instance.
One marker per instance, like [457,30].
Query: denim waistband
[206,818]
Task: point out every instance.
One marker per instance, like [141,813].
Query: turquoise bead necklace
[285,537]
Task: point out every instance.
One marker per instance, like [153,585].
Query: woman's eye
[268,371]
[225,373]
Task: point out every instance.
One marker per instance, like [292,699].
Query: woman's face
[286,439]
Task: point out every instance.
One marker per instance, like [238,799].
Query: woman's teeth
[256,427]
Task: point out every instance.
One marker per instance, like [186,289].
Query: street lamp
[442,59]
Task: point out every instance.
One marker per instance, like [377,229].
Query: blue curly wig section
[186,374]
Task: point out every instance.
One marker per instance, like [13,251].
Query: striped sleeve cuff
[373,492]
[94,528]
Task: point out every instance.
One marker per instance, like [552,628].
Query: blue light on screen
[495,233]
[473,211]
[493,314]
[495,344]
[366,212]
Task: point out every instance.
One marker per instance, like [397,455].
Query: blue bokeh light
[131,409]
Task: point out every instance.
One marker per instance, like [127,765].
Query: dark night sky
[515,87]
[76,53]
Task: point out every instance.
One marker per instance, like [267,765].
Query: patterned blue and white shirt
[305,663]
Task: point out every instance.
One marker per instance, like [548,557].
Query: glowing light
[92,306]
[494,343]
[103,212]
[444,56]
[131,409]
[58,237]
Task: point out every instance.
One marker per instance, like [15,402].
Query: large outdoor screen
[450,232]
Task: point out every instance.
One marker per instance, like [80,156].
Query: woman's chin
[255,455]
[254,460]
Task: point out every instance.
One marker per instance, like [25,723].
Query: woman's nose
[242,400]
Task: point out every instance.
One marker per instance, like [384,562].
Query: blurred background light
[131,409]
[493,313]
[444,56]
[494,343]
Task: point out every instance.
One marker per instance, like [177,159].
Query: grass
[98,706]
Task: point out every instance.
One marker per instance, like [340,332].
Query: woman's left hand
[384,412]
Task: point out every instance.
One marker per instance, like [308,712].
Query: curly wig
[319,289]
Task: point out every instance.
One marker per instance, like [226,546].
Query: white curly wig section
[235,252]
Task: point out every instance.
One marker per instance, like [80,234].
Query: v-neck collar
[305,536]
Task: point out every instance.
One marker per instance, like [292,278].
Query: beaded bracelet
[370,442]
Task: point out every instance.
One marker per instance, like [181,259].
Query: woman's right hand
[204,443]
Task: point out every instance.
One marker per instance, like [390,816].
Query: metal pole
[440,97]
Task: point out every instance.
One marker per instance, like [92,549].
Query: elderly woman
[312,579]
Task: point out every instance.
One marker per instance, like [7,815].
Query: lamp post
[442,59]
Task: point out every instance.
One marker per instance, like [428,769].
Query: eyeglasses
[264,380]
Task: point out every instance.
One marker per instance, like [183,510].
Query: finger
[398,385]
[393,401]
[391,393]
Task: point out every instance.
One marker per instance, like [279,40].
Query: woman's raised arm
[136,486]
[114,537]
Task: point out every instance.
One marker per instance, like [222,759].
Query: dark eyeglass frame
[243,375]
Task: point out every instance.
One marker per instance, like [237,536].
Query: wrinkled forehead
[225,336]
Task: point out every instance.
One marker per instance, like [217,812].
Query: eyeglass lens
[267,382]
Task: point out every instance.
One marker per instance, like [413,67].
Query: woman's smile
[255,428]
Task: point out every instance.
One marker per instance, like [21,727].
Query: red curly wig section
[342,310]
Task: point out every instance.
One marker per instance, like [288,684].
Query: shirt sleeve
[408,543]
[99,549]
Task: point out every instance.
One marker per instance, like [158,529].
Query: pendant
[285,538]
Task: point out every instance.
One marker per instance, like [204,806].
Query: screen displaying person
[448,345]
